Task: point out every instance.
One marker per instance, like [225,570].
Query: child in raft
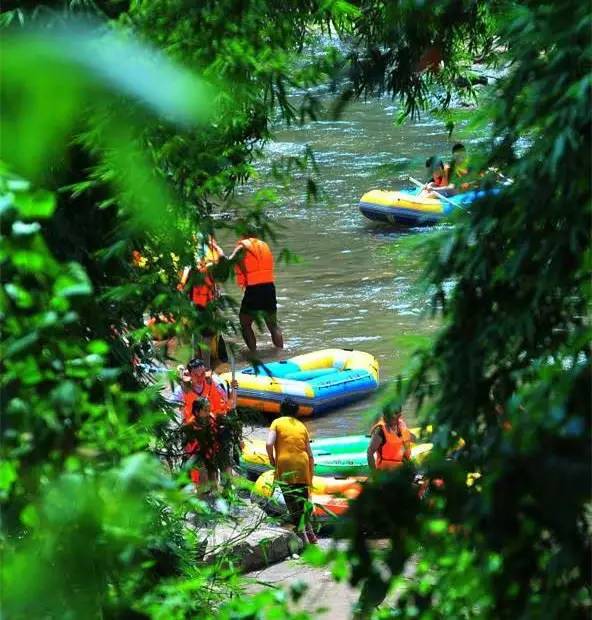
[437,180]
[448,179]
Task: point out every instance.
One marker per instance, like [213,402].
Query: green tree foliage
[110,130]
[93,524]
[510,370]
[247,49]
[420,53]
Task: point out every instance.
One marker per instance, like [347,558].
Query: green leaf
[85,69]
[340,567]
[66,396]
[40,204]
[20,229]
[30,516]
[22,297]
[437,526]
[98,347]
[74,283]
[298,590]
[315,556]
[21,344]
[7,476]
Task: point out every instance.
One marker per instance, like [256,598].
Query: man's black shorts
[259,298]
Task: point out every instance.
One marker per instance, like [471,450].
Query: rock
[247,538]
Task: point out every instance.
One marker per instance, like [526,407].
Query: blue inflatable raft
[411,209]
[317,381]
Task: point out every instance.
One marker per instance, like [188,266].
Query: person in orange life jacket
[197,382]
[390,443]
[203,291]
[254,272]
[201,428]
[438,178]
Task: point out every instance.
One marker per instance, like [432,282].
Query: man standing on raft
[254,273]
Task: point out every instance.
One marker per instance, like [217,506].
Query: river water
[356,286]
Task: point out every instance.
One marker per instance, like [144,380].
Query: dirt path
[324,598]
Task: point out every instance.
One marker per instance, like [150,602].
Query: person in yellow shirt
[288,448]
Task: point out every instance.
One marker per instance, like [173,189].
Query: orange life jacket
[395,449]
[193,446]
[256,266]
[202,294]
[218,404]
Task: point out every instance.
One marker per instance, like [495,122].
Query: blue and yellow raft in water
[316,381]
[410,208]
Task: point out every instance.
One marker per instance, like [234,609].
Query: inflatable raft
[315,381]
[409,208]
[330,496]
[336,456]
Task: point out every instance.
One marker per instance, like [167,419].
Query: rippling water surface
[353,289]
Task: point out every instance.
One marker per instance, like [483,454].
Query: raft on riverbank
[330,496]
[334,456]
[316,381]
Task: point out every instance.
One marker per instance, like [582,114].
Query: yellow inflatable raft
[315,381]
[413,207]
[330,496]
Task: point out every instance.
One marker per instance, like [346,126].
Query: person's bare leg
[310,534]
[246,322]
[274,329]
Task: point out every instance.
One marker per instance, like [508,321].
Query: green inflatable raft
[334,456]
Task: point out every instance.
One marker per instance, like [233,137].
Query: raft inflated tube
[316,381]
[330,496]
[411,208]
[337,456]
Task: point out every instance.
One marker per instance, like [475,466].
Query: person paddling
[390,443]
[438,178]
[254,270]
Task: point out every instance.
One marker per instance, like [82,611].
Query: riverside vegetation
[107,132]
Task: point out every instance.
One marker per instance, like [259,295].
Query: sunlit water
[352,289]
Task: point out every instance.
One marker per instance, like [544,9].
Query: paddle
[441,196]
[233,375]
